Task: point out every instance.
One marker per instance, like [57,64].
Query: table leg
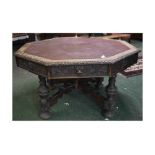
[109,106]
[43,93]
[98,82]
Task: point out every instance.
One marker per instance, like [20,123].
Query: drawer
[32,67]
[77,71]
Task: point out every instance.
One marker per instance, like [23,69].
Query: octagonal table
[74,62]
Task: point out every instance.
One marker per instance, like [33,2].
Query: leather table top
[75,48]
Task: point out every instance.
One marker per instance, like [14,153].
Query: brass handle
[79,71]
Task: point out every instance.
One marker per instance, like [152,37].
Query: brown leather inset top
[75,48]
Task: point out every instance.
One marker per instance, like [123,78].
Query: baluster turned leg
[43,93]
[109,106]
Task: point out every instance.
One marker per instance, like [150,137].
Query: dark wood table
[67,63]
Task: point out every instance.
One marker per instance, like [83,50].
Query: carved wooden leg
[43,93]
[109,106]
[98,82]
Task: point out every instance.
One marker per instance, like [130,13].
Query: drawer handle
[78,71]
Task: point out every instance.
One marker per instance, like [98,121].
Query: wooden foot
[43,93]
[109,106]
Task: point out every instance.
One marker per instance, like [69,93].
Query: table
[76,63]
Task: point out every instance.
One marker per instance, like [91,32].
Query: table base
[89,86]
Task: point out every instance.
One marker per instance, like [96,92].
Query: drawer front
[76,71]
[32,67]
[124,63]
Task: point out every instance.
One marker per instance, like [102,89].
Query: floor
[75,105]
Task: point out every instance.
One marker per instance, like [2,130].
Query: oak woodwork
[76,63]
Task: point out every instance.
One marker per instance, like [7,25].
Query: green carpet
[75,105]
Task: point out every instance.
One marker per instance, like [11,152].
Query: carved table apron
[76,63]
